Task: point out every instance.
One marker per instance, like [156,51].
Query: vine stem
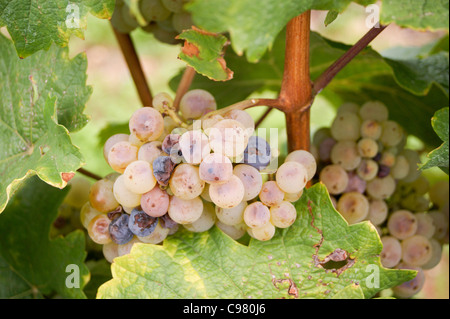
[89,174]
[325,78]
[134,65]
[183,86]
[296,87]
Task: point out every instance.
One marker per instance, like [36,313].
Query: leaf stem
[325,78]
[183,86]
[129,53]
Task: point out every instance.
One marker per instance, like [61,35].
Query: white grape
[416,250]
[291,177]
[346,126]
[228,137]
[138,177]
[121,154]
[401,168]
[101,196]
[411,287]
[184,211]
[371,129]
[157,235]
[378,211]
[345,153]
[231,216]
[392,251]
[425,225]
[251,179]
[244,118]
[381,188]
[146,124]
[196,103]
[228,194]
[435,259]
[283,215]
[110,251]
[87,213]
[216,169]
[205,221]
[392,133]
[374,110]
[113,140]
[98,229]
[263,233]
[162,101]
[155,202]
[367,169]
[402,224]
[306,159]
[354,207]
[194,146]
[293,197]
[123,195]
[150,151]
[348,107]
[335,179]
[235,232]
[185,182]
[367,147]
[256,215]
[271,194]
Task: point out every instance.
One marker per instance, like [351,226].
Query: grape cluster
[371,175]
[165,19]
[196,167]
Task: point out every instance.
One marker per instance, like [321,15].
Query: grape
[354,207]
[113,140]
[185,182]
[196,103]
[150,151]
[345,153]
[381,188]
[416,250]
[216,169]
[250,178]
[155,202]
[413,159]
[153,10]
[401,168]
[271,194]
[162,101]
[346,127]
[141,224]
[228,194]
[119,231]
[257,153]
[157,235]
[169,143]
[283,215]
[165,36]
[402,224]
[162,169]
[228,137]
[169,125]
[118,21]
[325,149]
[412,287]
[371,129]
[383,171]
[210,121]
[123,195]
[388,159]
[174,5]
[420,186]
[138,177]
[205,221]
[110,251]
[392,133]
[367,169]
[440,222]
[306,159]
[374,110]
[392,251]
[263,233]
[78,192]
[256,215]
[425,225]
[244,118]
[348,107]
[125,249]
[146,124]
[378,211]
[235,232]
[87,213]
[335,178]
[98,229]
[293,197]
[182,21]
[355,183]
[101,196]
[128,18]
[205,194]
[194,146]
[135,141]
[291,177]
[321,135]
[439,193]
[121,154]
[436,255]
[367,147]
[333,201]
[231,216]
[184,211]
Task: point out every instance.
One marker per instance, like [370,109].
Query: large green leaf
[293,264]
[439,156]
[254,25]
[32,140]
[35,24]
[32,265]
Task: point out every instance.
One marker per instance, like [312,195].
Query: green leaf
[331,16]
[32,265]
[204,51]
[290,265]
[352,291]
[32,139]
[100,272]
[417,14]
[35,25]
[439,156]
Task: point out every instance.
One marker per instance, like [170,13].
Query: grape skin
[306,159]
[228,194]
[425,225]
[157,236]
[367,147]
[228,137]
[416,250]
[354,207]
[205,221]
[263,233]
[367,169]
[402,224]
[401,168]
[146,124]
[283,215]
[216,169]
[150,151]
[121,155]
[185,182]
[371,129]
[123,195]
[436,249]
[381,188]
[101,196]
[113,140]
[231,216]
[244,118]
[98,229]
[335,178]
[374,110]
[110,251]
[412,287]
[271,194]
[182,21]
[184,211]
[345,153]
[235,232]
[194,146]
[256,215]
[250,178]
[392,133]
[138,177]
[155,202]
[87,213]
[153,10]
[346,127]
[325,149]
[378,212]
[196,103]
[291,177]
[392,251]
[355,183]
[293,197]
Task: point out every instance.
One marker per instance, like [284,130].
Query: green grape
[348,107]
[371,129]
[425,225]
[392,133]
[413,159]
[335,178]
[345,153]
[374,110]
[321,135]
[118,20]
[166,25]
[263,233]
[206,220]
[367,147]
[346,127]
[416,250]
[402,224]
[78,192]
[401,168]
[174,5]
[153,10]
[378,211]
[164,36]
[392,251]
[436,250]
[439,193]
[128,17]
[182,21]
[381,187]
[353,206]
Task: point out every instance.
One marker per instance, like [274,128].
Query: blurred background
[114,96]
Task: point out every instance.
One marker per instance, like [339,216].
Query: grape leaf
[439,156]
[417,14]
[293,264]
[32,265]
[32,139]
[352,291]
[331,16]
[35,24]
[204,52]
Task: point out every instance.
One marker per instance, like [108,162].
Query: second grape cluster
[193,166]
